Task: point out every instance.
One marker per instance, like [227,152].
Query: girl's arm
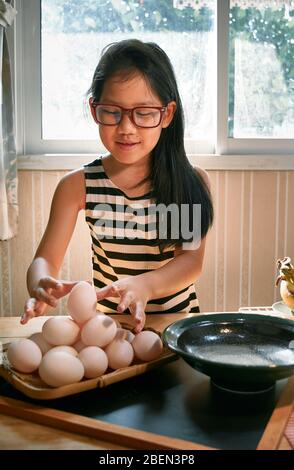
[43,287]
[180,272]
[136,291]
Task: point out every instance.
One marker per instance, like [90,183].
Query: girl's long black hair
[173,179]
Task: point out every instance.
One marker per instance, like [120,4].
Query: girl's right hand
[46,293]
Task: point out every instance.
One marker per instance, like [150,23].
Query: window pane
[261,83]
[74,32]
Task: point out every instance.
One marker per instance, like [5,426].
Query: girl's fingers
[139,316]
[30,304]
[66,285]
[108,291]
[28,315]
[50,282]
[39,308]
[44,296]
[29,311]
[70,283]
[63,289]
[125,302]
[33,308]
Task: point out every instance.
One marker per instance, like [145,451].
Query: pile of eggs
[83,346]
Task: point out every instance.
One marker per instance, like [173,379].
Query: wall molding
[52,162]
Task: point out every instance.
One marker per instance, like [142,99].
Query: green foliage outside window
[266,26]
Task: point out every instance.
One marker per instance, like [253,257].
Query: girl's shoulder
[73,185]
[204,176]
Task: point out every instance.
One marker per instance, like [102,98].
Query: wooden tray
[32,386]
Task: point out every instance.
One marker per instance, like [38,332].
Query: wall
[254,225]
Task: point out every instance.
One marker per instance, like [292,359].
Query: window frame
[277,153]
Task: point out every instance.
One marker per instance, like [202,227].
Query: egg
[82,302]
[40,341]
[147,345]
[94,360]
[24,355]
[67,349]
[98,331]
[120,353]
[60,368]
[60,331]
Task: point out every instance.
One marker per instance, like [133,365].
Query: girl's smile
[127,145]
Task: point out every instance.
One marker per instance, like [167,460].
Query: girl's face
[126,142]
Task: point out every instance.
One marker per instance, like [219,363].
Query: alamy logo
[136,221]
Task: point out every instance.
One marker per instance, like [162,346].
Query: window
[261,78]
[260,102]
[234,62]
[73,34]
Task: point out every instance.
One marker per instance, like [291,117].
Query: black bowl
[240,352]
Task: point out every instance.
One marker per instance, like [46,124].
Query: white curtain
[8,163]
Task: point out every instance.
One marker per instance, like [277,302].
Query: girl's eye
[110,112]
[144,113]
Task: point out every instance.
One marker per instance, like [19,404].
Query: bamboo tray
[32,386]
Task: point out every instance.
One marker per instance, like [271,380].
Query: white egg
[67,349]
[60,331]
[120,353]
[40,341]
[98,331]
[24,355]
[94,360]
[147,345]
[82,302]
[60,368]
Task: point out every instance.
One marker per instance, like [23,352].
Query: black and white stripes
[123,231]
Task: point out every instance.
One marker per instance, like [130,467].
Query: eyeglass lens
[143,117]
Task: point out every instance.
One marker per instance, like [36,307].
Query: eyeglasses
[141,116]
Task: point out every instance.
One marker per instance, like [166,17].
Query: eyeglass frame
[128,111]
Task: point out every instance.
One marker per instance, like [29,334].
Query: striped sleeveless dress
[122,231]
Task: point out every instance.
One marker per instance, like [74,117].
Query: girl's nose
[126,125]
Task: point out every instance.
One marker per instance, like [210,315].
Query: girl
[135,102]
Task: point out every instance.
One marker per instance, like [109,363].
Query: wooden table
[33,433]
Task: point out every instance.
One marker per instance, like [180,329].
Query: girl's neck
[128,177]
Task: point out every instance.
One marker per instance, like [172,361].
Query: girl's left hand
[133,294]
